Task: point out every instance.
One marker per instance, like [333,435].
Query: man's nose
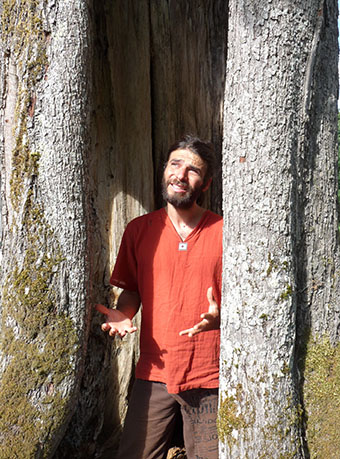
[182,173]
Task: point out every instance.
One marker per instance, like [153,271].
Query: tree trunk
[280,317]
[46,83]
[120,168]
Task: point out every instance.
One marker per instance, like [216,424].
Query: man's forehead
[188,157]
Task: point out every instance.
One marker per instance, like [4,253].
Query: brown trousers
[151,417]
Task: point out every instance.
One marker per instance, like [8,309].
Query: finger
[113,331]
[124,331]
[130,330]
[210,295]
[106,326]
[103,309]
[183,332]
[194,332]
[186,332]
[206,316]
[214,311]
[191,331]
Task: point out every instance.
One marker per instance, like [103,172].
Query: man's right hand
[116,323]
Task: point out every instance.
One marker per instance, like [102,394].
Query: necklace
[182,246]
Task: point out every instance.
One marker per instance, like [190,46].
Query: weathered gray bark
[121,188]
[46,82]
[280,324]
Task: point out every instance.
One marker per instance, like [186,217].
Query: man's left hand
[210,320]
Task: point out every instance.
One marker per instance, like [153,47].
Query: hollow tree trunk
[120,169]
[148,91]
[280,324]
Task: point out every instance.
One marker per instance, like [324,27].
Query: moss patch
[22,28]
[278,438]
[229,418]
[39,344]
[322,398]
[25,39]
[287,293]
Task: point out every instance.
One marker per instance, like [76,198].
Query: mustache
[178,182]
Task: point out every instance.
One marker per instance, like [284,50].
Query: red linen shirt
[172,279]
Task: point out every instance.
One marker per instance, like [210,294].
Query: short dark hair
[204,149]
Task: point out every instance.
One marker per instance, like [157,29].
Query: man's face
[183,179]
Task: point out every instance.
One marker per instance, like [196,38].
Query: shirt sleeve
[124,274]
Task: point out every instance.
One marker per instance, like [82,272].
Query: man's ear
[207,185]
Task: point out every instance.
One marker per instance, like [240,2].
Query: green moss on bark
[39,343]
[26,40]
[288,420]
[287,293]
[229,418]
[22,28]
[322,398]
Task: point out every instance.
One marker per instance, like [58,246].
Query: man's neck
[185,220]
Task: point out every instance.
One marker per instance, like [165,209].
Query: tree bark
[280,317]
[44,254]
[121,187]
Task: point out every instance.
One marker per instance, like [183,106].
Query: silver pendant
[182,246]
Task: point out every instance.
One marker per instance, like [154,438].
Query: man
[170,261]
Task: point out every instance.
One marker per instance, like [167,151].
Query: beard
[181,200]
